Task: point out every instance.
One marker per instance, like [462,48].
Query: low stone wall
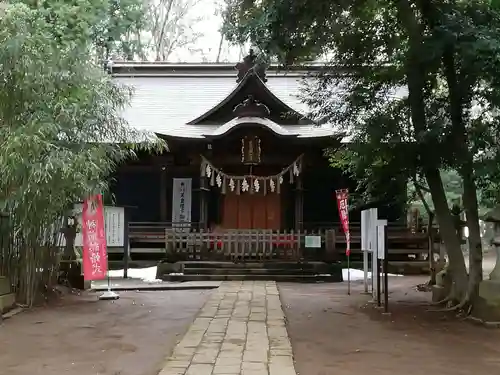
[7,299]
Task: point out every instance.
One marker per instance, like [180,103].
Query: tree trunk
[475,244]
[430,215]
[447,231]
[457,96]
[416,79]
[219,50]
[432,261]
[160,53]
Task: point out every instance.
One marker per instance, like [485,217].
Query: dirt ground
[333,333]
[84,336]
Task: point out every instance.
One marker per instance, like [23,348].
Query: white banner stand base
[109,295]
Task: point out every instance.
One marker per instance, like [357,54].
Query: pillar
[163,194]
[299,204]
[203,202]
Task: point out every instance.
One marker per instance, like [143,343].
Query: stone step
[7,302]
[270,277]
[247,271]
[254,265]
[4,285]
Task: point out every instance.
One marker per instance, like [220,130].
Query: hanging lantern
[250,150]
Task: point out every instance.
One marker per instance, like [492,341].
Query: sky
[209,43]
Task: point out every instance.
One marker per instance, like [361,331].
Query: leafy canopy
[363,90]
[61,129]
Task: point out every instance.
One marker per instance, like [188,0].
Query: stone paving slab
[239,331]
[120,284]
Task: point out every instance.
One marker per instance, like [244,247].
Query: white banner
[181,203]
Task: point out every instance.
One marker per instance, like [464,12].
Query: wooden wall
[146,183]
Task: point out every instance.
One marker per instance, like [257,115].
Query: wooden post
[299,204]
[163,194]
[330,249]
[203,202]
[126,242]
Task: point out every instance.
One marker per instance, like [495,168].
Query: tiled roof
[167,97]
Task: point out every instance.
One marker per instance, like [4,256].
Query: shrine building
[243,160]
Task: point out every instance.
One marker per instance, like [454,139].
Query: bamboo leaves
[62,133]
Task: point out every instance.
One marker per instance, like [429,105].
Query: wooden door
[273,211]
[251,211]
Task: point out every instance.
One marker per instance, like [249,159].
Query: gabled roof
[252,85]
[167,97]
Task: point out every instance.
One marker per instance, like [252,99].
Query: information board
[313,241]
[114,225]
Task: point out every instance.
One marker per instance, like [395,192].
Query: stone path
[240,331]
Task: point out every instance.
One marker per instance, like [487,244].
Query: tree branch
[421,187]
[418,190]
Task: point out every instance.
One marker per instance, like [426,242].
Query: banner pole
[342,197]
[109,278]
[109,294]
[349,274]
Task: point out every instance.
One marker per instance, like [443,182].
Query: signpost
[369,247]
[374,240]
[381,225]
[386,271]
[126,241]
[365,218]
[372,244]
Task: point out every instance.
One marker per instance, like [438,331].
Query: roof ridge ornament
[251,108]
[251,65]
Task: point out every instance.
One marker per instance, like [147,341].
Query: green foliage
[452,184]
[61,130]
[300,34]
[414,87]
[363,92]
[103,26]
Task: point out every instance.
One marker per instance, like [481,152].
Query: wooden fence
[227,244]
[260,245]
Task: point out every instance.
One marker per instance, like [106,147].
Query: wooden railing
[195,243]
[154,232]
[249,244]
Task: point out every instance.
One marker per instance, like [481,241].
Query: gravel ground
[83,336]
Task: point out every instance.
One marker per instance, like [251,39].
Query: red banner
[342,204]
[95,263]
